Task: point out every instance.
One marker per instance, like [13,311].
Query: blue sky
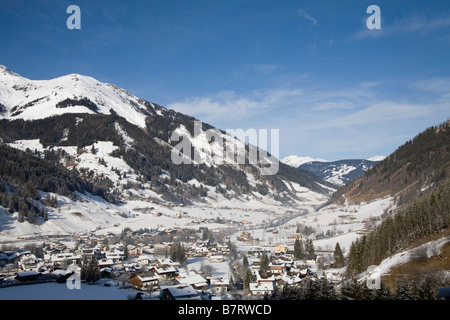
[311,69]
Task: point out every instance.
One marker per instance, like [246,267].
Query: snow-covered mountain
[336,172]
[118,150]
[297,161]
[38,99]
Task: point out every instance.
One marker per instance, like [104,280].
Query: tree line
[427,216]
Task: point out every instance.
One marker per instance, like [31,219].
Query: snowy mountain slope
[297,161]
[336,172]
[123,148]
[339,172]
[38,99]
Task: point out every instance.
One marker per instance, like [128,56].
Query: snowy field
[58,291]
[139,206]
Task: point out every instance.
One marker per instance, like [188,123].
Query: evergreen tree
[247,279]
[309,246]
[90,271]
[125,252]
[298,249]
[264,263]
[338,256]
[245,263]
[178,253]
[23,211]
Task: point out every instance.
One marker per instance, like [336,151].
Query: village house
[216,258]
[12,257]
[27,261]
[165,272]
[276,268]
[281,249]
[193,279]
[261,288]
[62,259]
[145,282]
[179,292]
[218,285]
[266,279]
[29,275]
[143,260]
[245,236]
[287,280]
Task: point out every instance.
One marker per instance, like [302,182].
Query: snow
[43,95]
[297,161]
[220,269]
[375,272]
[58,291]
[337,173]
[377,158]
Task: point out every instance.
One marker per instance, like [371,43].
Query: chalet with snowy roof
[277,268]
[193,279]
[179,292]
[27,261]
[267,279]
[261,288]
[145,281]
[143,260]
[284,279]
[165,272]
[216,258]
[218,285]
[63,259]
[25,276]
[11,256]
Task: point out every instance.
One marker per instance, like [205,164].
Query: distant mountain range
[415,168]
[337,172]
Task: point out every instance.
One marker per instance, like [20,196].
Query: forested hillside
[417,165]
[23,175]
[427,216]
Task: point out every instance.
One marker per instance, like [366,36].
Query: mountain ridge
[415,167]
[338,172]
[74,119]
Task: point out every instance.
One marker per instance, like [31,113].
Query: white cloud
[228,105]
[333,119]
[302,13]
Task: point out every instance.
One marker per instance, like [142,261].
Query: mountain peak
[5,71]
[297,161]
[37,99]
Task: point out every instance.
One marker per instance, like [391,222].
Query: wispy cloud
[412,24]
[228,105]
[303,14]
[332,119]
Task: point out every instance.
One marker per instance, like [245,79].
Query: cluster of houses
[142,267]
[147,268]
[283,269]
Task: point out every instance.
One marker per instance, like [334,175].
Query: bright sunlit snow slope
[38,99]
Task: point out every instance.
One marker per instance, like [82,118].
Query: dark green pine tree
[90,271]
[338,256]
[247,279]
[23,211]
[299,251]
[245,263]
[264,263]
[309,246]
